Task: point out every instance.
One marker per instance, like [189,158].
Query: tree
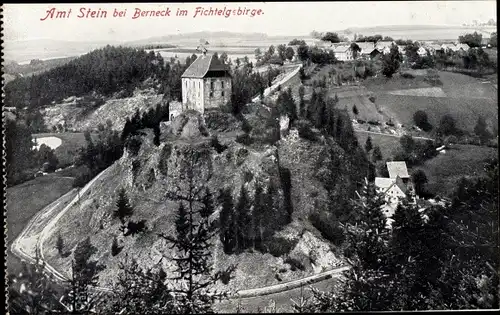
[407,144]
[421,120]
[141,291]
[447,125]
[355,111]
[331,37]
[32,292]
[296,42]
[18,151]
[391,62]
[242,218]
[355,50]
[281,49]
[227,223]
[224,58]
[302,103]
[481,129]
[45,156]
[303,52]
[115,248]
[376,154]
[419,180]
[123,207]
[289,53]
[84,275]
[473,40]
[286,104]
[493,39]
[194,232]
[368,144]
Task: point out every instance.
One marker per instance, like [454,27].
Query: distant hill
[23,51]
[421,32]
[197,36]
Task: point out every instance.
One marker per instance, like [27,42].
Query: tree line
[104,71]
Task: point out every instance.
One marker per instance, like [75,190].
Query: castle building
[206,84]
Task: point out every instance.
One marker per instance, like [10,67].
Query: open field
[381,84]
[444,170]
[386,143]
[25,200]
[465,111]
[68,150]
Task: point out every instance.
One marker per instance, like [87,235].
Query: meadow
[445,170]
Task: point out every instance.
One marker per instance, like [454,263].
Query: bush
[294,264]
[373,122]
[329,228]
[277,246]
[214,142]
[133,145]
[372,98]
[407,75]
[306,132]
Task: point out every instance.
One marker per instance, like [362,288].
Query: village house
[365,48]
[394,188]
[206,84]
[422,52]
[343,52]
[384,46]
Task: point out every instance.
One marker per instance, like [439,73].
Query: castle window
[222,93]
[211,94]
[222,85]
[212,84]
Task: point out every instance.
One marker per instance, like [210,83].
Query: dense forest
[104,71]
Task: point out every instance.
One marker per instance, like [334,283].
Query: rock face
[153,171]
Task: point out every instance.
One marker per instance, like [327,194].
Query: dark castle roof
[202,65]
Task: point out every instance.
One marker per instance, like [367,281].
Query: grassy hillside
[445,170]
[26,199]
[463,97]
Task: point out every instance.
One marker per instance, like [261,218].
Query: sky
[23,21]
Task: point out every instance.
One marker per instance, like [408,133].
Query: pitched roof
[341,48]
[384,182]
[463,46]
[203,64]
[397,169]
[399,182]
[383,44]
[434,46]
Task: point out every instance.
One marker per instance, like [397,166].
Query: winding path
[30,242]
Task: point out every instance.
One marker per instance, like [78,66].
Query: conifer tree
[302,103]
[368,144]
[227,222]
[376,154]
[259,213]
[60,245]
[123,207]
[194,233]
[242,211]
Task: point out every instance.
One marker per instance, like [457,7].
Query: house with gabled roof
[395,187]
[343,52]
[206,83]
[365,48]
[398,169]
[463,47]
